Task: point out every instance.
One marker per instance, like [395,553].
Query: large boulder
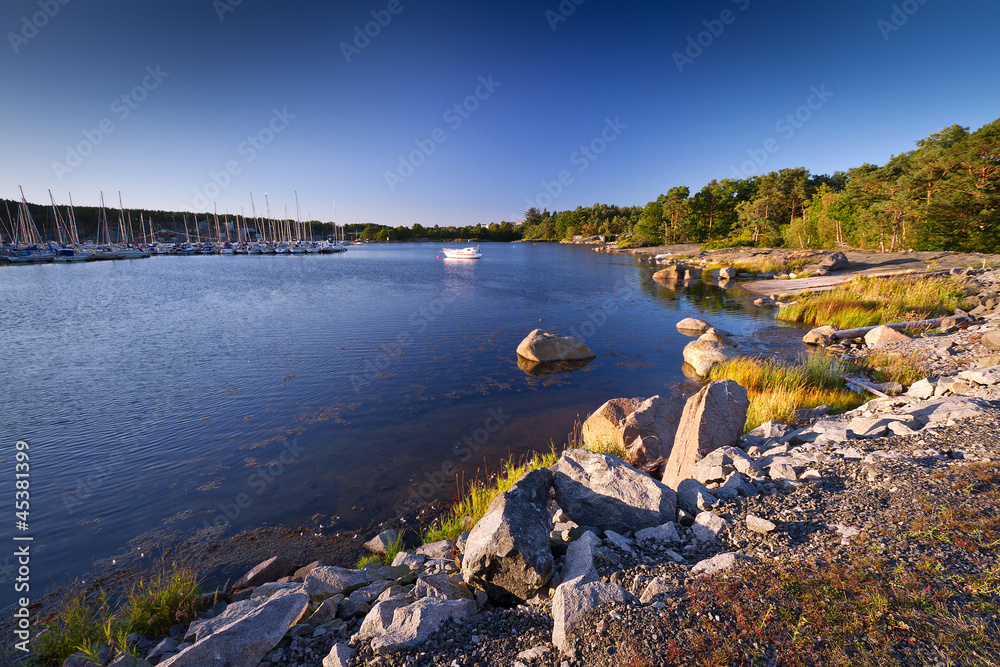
[328,581]
[691,326]
[413,624]
[507,553]
[835,262]
[606,493]
[881,335]
[703,355]
[675,272]
[606,426]
[649,431]
[546,346]
[645,428]
[244,633]
[713,418]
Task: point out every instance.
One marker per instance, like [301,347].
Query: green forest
[941,196]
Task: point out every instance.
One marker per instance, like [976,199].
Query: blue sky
[226,97]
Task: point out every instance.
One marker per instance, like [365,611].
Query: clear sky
[154,98]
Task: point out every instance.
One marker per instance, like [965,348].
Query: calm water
[176,393]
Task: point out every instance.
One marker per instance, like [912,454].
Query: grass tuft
[477,498]
[777,390]
[866,301]
[150,608]
[383,559]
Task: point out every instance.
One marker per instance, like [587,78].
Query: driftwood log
[927,324]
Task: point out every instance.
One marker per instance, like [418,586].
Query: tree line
[943,195]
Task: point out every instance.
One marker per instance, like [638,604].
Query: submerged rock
[703,355]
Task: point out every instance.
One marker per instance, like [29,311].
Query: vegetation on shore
[86,623]
[763,265]
[383,559]
[943,195]
[777,390]
[867,608]
[867,301]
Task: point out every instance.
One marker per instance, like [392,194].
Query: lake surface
[178,393]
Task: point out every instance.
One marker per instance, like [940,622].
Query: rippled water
[178,392]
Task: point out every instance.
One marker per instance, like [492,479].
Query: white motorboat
[464,253]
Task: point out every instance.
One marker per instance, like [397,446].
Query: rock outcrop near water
[545,347]
[645,428]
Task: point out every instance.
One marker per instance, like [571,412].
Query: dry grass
[762,265]
[777,390]
[886,367]
[866,301]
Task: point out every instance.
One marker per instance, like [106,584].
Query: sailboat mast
[72,219]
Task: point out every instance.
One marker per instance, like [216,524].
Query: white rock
[759,525]
[708,526]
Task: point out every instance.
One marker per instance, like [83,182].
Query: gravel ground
[856,504]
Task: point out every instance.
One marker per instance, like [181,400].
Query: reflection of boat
[464,253]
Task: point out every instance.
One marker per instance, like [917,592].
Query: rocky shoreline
[596,562]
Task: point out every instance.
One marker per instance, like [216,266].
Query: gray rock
[413,624]
[618,540]
[608,494]
[782,470]
[835,262]
[461,542]
[713,418]
[759,525]
[443,549]
[340,656]
[411,561]
[738,483]
[368,594]
[708,526]
[508,553]
[721,562]
[245,638]
[378,620]
[351,608]
[166,646]
[665,533]
[657,586]
[991,340]
[704,355]
[576,599]
[881,335]
[269,570]
[327,581]
[326,611]
[380,543]
[648,432]
[693,496]
[579,561]
[922,389]
[772,429]
[269,589]
[720,464]
[986,377]
[446,587]
[690,324]
[545,346]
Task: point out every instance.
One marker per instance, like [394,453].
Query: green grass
[383,559]
[150,608]
[866,301]
[761,265]
[478,496]
[776,390]
[886,367]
